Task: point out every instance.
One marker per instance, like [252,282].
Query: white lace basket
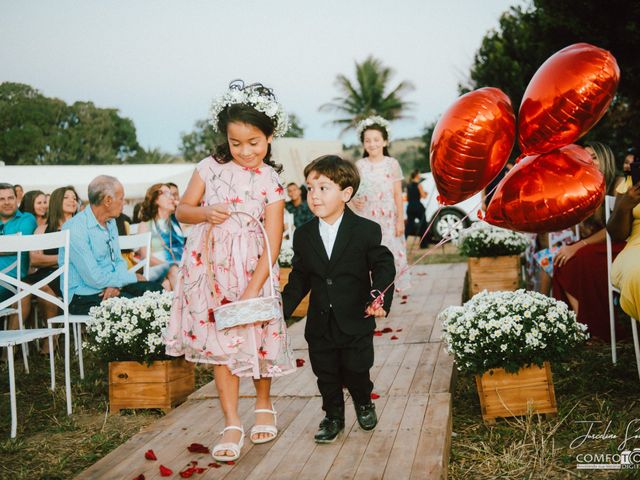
[253,310]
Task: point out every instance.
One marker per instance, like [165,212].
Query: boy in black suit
[338,256]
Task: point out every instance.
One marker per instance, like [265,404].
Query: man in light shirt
[97,270]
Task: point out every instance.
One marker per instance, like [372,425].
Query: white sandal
[270,429]
[234,447]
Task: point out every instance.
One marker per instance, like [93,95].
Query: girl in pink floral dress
[379,197]
[224,262]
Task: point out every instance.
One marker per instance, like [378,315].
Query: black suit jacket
[342,284]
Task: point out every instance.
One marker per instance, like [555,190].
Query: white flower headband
[256,95]
[374,120]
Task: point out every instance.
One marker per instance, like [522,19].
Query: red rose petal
[377,333]
[387,330]
[165,472]
[375,396]
[398,329]
[199,469]
[299,362]
[231,462]
[139,477]
[394,338]
[150,455]
[194,463]
[214,465]
[403,302]
[188,473]
[197,448]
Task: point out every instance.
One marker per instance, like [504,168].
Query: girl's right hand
[216,213]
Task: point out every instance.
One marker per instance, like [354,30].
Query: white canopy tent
[293,153]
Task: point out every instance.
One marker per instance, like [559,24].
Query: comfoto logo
[627,459]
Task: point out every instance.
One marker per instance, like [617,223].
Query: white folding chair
[14,310]
[11,338]
[132,242]
[609,203]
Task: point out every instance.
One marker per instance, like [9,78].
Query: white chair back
[609,203]
[134,242]
[29,243]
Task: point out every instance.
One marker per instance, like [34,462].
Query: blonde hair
[606,163]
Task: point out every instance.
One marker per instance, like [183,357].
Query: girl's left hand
[399,227]
[248,294]
[565,253]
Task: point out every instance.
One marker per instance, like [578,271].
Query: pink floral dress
[216,268]
[376,189]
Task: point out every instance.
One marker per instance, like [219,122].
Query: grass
[51,445]
[589,388]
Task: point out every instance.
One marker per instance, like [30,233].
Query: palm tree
[367,96]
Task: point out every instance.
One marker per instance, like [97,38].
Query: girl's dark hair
[136,212]
[28,200]
[414,174]
[149,209]
[244,113]
[385,136]
[55,216]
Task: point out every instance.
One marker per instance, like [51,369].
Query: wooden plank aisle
[412,374]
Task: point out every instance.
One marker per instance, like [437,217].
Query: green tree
[35,129]
[200,142]
[370,94]
[509,56]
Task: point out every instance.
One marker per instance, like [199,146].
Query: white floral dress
[216,267]
[376,189]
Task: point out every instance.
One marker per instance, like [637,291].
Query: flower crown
[374,120]
[256,95]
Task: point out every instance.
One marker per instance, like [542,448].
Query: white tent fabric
[293,153]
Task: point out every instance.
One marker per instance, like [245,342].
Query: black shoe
[367,418]
[330,428]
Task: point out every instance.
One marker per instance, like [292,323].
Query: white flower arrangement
[286,256]
[510,330]
[484,240]
[123,329]
[258,96]
[373,120]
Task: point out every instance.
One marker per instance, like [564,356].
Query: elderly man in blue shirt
[97,270]
[14,222]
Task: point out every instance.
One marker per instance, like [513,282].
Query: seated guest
[624,224]
[97,270]
[580,269]
[297,206]
[35,203]
[167,239]
[63,205]
[14,222]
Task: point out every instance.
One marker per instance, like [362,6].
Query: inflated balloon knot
[480,214]
[378,299]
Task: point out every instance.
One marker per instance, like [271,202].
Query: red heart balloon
[567,96]
[471,143]
[548,192]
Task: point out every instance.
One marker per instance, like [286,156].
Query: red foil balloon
[548,192]
[471,143]
[567,96]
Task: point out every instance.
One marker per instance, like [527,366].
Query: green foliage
[526,37]
[370,94]
[296,130]
[35,129]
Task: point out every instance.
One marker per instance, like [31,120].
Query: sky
[162,62]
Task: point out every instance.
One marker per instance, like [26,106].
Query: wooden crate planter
[162,385]
[493,273]
[510,394]
[301,310]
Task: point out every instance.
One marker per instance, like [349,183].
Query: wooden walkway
[412,375]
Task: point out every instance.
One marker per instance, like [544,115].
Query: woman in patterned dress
[224,262]
[379,197]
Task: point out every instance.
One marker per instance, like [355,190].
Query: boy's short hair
[339,171]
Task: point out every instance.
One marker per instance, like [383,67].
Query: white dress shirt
[328,233]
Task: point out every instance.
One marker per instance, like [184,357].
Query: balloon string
[379,299]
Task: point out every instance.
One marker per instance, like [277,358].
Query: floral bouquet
[484,240]
[286,256]
[510,330]
[130,329]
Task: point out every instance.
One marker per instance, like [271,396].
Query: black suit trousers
[339,359]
